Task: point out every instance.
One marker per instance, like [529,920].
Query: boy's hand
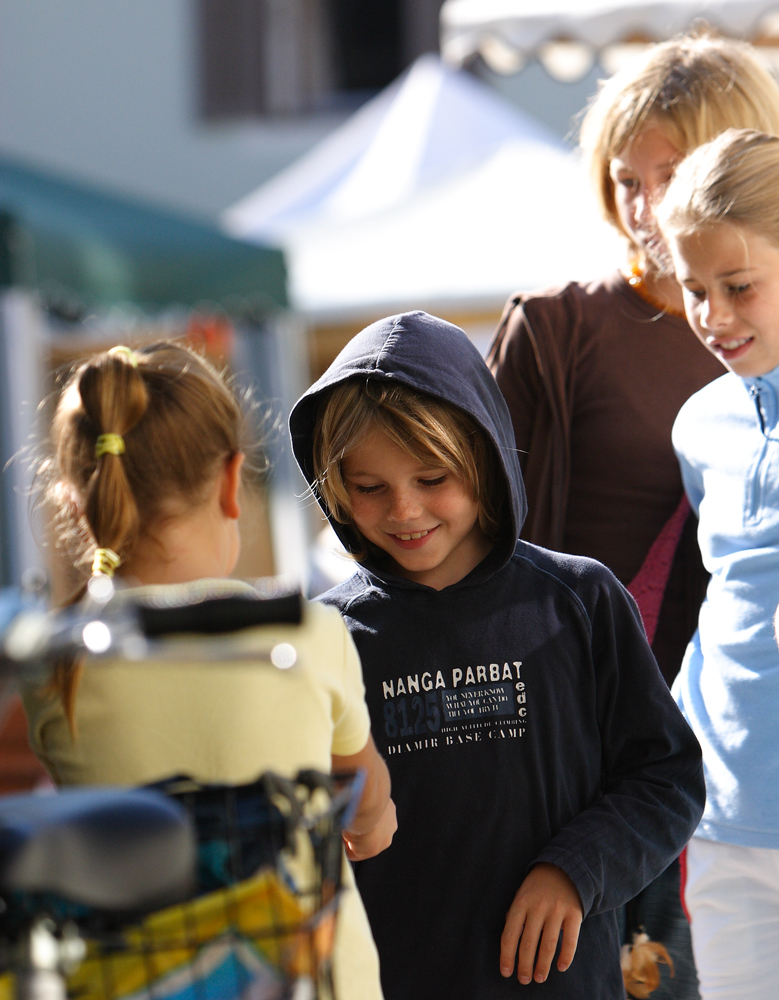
[546,903]
[360,846]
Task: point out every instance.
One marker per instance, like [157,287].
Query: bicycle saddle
[121,850]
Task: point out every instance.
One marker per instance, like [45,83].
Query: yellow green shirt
[138,722]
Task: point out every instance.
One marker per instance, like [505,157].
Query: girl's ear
[229,485]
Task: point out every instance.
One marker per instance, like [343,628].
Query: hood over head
[433,357]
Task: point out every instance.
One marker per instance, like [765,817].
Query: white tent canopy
[568,35]
[520,220]
[427,125]
[436,192]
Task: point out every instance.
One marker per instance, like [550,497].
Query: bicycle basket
[262,925]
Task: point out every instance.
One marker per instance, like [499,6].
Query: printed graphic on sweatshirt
[434,710]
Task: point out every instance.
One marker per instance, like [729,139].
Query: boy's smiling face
[426,519]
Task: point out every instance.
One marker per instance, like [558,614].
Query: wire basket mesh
[261,924]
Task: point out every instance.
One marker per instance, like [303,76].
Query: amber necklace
[637,283]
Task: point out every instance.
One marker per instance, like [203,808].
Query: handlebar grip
[222,614]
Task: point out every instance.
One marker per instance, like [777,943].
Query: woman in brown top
[595,373]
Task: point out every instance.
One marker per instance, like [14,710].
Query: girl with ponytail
[147,452]
[144,476]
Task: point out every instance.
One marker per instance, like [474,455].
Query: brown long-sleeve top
[594,377]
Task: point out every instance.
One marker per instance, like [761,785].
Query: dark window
[366,43]
[231,57]
[260,57]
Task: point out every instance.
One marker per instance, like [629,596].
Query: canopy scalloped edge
[567,42]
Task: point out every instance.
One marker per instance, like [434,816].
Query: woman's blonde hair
[692,88]
[432,431]
[170,420]
[734,178]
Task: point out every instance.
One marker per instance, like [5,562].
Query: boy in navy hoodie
[541,771]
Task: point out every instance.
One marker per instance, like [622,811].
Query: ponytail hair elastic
[126,352]
[106,561]
[109,444]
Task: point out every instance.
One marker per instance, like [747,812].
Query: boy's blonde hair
[431,430]
[692,88]
[734,178]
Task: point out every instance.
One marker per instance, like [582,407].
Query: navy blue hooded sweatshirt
[522,716]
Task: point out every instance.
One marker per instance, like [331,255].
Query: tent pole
[22,344]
